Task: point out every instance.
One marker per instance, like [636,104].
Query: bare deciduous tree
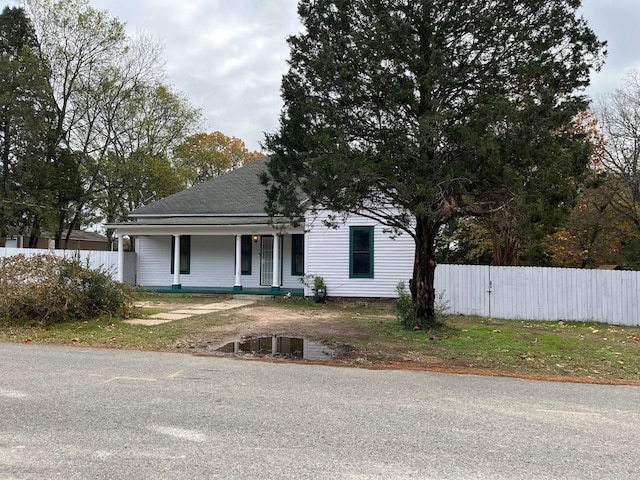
[619,117]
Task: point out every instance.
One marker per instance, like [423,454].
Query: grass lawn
[574,349]
[587,351]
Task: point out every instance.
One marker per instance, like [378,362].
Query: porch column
[120,258]
[275,284]
[176,263]
[238,284]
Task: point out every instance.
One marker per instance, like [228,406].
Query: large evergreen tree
[415,111]
[26,121]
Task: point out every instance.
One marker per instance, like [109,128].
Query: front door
[266,261]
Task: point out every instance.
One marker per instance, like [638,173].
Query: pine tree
[26,118]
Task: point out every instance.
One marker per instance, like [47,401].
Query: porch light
[255,238]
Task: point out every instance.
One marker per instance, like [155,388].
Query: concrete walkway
[187,311]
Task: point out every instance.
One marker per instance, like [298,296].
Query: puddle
[286,347]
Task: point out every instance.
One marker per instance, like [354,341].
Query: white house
[222,241]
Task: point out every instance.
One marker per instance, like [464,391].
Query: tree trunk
[506,250]
[423,292]
[35,233]
[58,234]
[109,235]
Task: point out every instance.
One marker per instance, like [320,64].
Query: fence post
[120,276]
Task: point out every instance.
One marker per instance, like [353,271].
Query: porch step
[252,297]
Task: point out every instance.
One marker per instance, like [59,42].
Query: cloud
[228,56]
[615,21]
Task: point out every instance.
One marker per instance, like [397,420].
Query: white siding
[328,256]
[212,262]
[154,260]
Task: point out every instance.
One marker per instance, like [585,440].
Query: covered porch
[216,259]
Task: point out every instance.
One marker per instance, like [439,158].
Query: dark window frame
[355,250]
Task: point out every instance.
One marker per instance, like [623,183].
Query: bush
[404,305]
[51,289]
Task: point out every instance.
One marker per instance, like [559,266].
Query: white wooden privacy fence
[541,293]
[528,293]
[95,259]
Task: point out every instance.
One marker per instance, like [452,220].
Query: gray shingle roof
[83,235]
[238,192]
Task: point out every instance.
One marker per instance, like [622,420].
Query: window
[185,253]
[245,255]
[297,254]
[361,252]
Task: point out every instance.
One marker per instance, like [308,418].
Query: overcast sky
[228,56]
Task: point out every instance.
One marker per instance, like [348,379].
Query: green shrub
[404,305]
[50,289]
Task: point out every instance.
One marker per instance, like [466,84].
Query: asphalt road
[72,413]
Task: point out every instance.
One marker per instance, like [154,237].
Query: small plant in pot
[319,289]
[316,283]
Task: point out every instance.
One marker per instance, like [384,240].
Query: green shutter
[185,253]
[297,255]
[246,250]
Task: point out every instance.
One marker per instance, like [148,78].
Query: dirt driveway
[260,318]
[265,319]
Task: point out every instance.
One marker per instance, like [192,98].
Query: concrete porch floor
[262,291]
